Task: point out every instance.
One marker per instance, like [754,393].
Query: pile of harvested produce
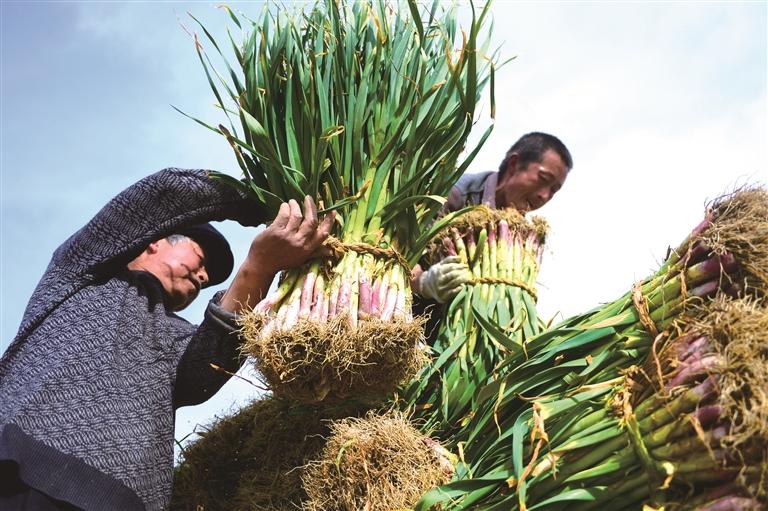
[366,108]
[555,398]
[253,459]
[689,423]
[491,317]
[714,381]
[374,463]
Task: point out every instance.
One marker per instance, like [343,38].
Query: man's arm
[287,242]
[425,284]
[209,358]
[453,202]
[151,209]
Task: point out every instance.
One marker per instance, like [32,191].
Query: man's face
[181,270]
[530,187]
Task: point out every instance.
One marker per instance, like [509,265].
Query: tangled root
[373,463]
[480,217]
[739,329]
[250,460]
[740,227]
[330,361]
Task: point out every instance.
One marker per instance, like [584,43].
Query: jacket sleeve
[216,341]
[454,202]
[149,210]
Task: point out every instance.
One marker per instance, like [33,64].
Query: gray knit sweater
[90,384]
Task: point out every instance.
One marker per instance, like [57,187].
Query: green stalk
[596,417]
[461,248]
[618,496]
[482,241]
[493,266]
[375,224]
[683,447]
[361,208]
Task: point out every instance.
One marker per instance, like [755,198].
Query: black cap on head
[219,260]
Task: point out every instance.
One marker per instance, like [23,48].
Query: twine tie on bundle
[338,248]
[641,305]
[509,282]
[658,470]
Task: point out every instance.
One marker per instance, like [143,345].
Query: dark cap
[218,256]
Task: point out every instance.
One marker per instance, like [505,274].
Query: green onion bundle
[365,107]
[503,251]
[693,418]
[509,449]
[724,458]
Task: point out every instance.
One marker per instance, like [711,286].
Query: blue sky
[662,104]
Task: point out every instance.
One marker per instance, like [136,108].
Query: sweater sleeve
[151,209]
[216,341]
[454,201]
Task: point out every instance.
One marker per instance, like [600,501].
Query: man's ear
[153,247]
[514,158]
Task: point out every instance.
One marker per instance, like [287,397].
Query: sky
[662,105]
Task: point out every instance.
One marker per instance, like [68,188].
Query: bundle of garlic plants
[491,317]
[563,425]
[365,106]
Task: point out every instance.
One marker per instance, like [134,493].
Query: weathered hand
[443,280]
[291,238]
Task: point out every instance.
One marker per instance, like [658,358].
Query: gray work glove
[443,281]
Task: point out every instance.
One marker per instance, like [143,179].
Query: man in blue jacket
[90,385]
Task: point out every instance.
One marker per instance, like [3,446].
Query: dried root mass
[374,463]
[332,361]
[740,227]
[251,460]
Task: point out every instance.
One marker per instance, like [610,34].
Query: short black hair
[531,147]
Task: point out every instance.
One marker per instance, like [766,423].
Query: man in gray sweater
[532,172]
[90,384]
